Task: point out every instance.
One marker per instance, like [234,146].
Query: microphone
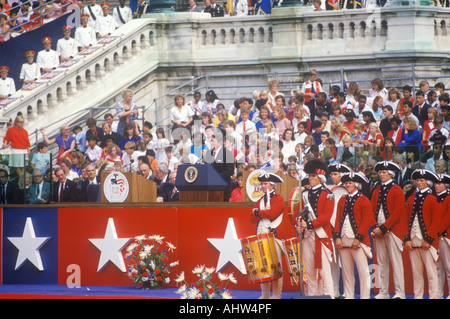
[131,162]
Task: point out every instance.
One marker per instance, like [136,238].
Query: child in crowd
[130,157]
[41,160]
[429,124]
[358,135]
[316,130]
[301,132]
[93,152]
[407,96]
[171,160]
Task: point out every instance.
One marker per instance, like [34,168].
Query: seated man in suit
[9,191]
[168,191]
[39,191]
[64,190]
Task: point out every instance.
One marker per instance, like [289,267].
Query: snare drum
[292,253]
[261,258]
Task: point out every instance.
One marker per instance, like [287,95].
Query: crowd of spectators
[267,131]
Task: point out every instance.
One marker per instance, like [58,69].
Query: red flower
[159,278]
[145,274]
[157,271]
[166,259]
[210,290]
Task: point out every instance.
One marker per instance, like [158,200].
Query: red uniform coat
[397,211]
[431,216]
[364,219]
[277,208]
[445,213]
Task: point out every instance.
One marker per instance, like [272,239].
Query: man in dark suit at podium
[64,190]
[219,157]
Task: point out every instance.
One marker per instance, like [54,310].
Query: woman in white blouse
[180,114]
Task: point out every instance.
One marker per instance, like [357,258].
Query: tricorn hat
[444,178]
[269,177]
[354,177]
[337,167]
[388,166]
[425,174]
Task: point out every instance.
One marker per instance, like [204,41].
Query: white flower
[143,278]
[167,280]
[171,246]
[157,238]
[193,293]
[130,248]
[198,269]
[152,264]
[181,289]
[222,277]
[140,238]
[143,254]
[175,263]
[232,279]
[180,277]
[226,295]
[148,248]
[209,271]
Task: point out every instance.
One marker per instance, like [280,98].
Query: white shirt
[7,86]
[183,115]
[105,25]
[415,228]
[130,162]
[66,47]
[125,13]
[47,59]
[94,12]
[29,72]
[249,125]
[85,36]
[346,226]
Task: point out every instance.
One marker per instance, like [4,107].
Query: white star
[230,248]
[110,247]
[28,246]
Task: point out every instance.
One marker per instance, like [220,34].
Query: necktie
[61,192]
[173,192]
[244,127]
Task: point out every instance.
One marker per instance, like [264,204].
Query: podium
[251,184]
[128,187]
[200,183]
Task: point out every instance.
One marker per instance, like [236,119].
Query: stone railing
[92,81]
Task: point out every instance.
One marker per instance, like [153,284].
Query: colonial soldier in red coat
[421,240]
[336,170]
[267,214]
[351,233]
[318,250]
[442,188]
[388,205]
